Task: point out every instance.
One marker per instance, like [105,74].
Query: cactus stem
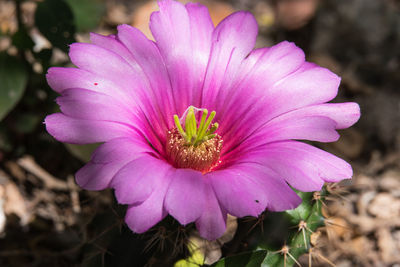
[285,252]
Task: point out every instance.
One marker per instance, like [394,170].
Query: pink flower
[126,90]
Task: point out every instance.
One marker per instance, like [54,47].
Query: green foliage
[22,40]
[305,219]
[87,13]
[55,21]
[26,122]
[13,77]
[303,210]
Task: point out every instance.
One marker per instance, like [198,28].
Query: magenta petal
[286,127]
[78,131]
[135,80]
[171,29]
[296,175]
[99,60]
[258,73]
[110,65]
[201,29]
[299,89]
[212,222]
[280,196]
[90,105]
[309,85]
[261,70]
[237,192]
[232,41]
[344,114]
[325,165]
[272,190]
[107,160]
[289,126]
[94,106]
[65,78]
[142,217]
[183,35]
[147,55]
[273,64]
[135,182]
[304,167]
[62,79]
[114,45]
[185,197]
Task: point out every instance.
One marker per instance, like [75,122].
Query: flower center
[198,146]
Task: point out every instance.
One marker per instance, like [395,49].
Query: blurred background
[46,220]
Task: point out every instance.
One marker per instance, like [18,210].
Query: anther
[196,145]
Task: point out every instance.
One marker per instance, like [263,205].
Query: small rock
[361,246]
[385,206]
[364,181]
[387,246]
[390,181]
[364,200]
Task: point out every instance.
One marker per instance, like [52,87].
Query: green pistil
[196,134]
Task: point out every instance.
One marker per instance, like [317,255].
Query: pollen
[198,146]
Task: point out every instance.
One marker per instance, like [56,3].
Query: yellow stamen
[196,134]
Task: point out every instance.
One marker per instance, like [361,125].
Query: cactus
[308,218]
[302,221]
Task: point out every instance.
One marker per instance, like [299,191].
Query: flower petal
[286,127]
[78,131]
[259,71]
[171,30]
[142,217]
[212,222]
[113,44]
[61,79]
[272,64]
[316,123]
[237,192]
[135,182]
[65,78]
[280,196]
[309,85]
[184,42]
[303,166]
[147,55]
[295,126]
[185,197]
[90,105]
[109,65]
[201,29]
[140,53]
[107,160]
[232,41]
[344,114]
